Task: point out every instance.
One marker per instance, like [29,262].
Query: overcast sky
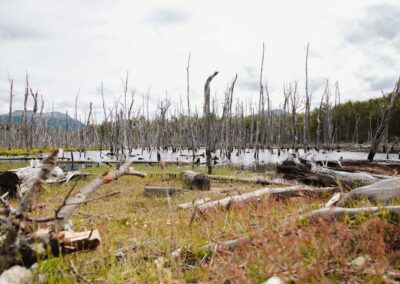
[74,45]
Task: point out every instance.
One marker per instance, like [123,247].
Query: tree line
[234,124]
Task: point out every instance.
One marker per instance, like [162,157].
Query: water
[243,157]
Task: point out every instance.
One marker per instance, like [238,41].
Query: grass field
[279,242]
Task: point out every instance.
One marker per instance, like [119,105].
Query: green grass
[303,252]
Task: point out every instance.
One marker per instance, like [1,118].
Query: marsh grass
[280,244]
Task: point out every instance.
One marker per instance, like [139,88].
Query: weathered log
[162,191]
[348,179]
[336,212]
[224,203]
[324,176]
[255,180]
[383,191]
[196,181]
[193,203]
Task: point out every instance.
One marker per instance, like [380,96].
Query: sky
[71,47]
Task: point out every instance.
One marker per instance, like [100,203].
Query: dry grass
[280,243]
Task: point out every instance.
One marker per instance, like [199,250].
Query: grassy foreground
[280,243]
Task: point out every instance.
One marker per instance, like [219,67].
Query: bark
[196,181]
[10,117]
[207,114]
[193,203]
[225,203]
[383,191]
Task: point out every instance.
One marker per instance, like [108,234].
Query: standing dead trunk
[384,123]
[306,133]
[189,114]
[10,119]
[260,109]
[207,115]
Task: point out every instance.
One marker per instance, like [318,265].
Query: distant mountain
[54,119]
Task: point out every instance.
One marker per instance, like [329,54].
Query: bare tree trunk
[189,114]
[207,115]
[384,123]
[306,133]
[260,107]
[10,119]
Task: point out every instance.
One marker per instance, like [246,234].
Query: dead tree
[10,119]
[319,116]
[207,115]
[189,113]
[384,123]
[306,132]
[260,108]
[24,141]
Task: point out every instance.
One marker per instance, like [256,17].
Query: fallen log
[346,178]
[336,212]
[255,180]
[162,191]
[317,175]
[383,191]
[193,203]
[293,191]
[196,181]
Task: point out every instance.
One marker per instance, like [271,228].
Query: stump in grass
[9,182]
[196,181]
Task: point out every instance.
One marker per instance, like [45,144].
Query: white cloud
[71,45]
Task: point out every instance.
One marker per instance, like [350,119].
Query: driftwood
[196,181]
[336,212]
[292,191]
[162,191]
[383,191]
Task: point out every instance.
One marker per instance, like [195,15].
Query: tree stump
[196,181]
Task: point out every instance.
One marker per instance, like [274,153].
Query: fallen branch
[83,195]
